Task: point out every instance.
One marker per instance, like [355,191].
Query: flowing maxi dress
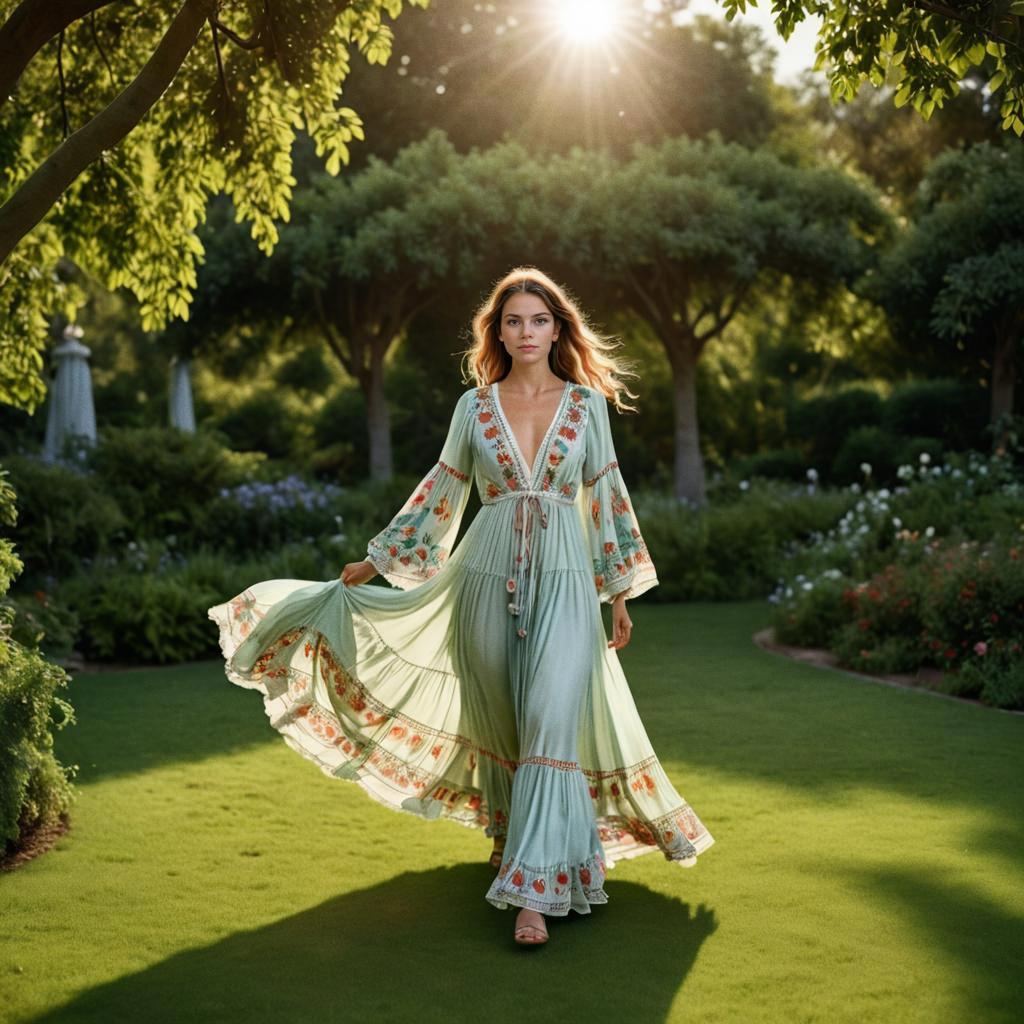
[482,689]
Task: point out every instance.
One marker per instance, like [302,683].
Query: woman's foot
[497,852]
[530,929]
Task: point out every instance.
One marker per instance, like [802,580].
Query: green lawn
[869,865]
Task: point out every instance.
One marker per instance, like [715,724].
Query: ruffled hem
[394,766]
[553,890]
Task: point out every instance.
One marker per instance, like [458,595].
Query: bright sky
[794,55]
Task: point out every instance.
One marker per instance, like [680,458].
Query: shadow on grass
[710,697]
[983,939]
[422,947]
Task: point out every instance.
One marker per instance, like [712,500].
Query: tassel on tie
[522,528]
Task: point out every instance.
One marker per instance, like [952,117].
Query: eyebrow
[545,313]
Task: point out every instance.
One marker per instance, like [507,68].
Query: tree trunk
[689,466]
[37,195]
[378,416]
[1004,375]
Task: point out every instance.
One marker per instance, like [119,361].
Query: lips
[527,348]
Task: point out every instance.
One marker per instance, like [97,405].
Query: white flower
[808,585]
[925,458]
[812,475]
[930,532]
[865,468]
[855,488]
[744,484]
[897,522]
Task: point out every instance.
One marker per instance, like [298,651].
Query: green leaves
[226,124]
[922,50]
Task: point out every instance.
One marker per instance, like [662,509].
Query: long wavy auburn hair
[581,354]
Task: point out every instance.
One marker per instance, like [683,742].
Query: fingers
[623,631]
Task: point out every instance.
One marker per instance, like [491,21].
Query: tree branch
[330,334]
[254,42]
[65,124]
[948,12]
[99,47]
[32,24]
[36,196]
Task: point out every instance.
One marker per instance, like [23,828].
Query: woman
[483,689]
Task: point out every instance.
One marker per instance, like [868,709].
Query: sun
[586,21]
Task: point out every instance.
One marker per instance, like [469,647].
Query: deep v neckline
[507,427]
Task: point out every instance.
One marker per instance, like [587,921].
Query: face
[527,328]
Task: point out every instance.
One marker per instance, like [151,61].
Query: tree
[924,47]
[119,124]
[954,283]
[360,258]
[894,146]
[685,232]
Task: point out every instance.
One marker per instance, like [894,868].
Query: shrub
[151,607]
[165,481]
[953,411]
[777,464]
[65,516]
[34,787]
[827,420]
[871,446]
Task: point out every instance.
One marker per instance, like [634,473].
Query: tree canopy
[954,281]
[925,48]
[119,121]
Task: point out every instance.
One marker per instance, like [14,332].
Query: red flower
[538,884]
[993,617]
[491,432]
[615,789]
[585,876]
[517,879]
[950,653]
[563,878]
[863,624]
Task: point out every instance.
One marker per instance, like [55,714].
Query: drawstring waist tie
[522,581]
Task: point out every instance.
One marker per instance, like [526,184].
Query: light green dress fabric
[481,689]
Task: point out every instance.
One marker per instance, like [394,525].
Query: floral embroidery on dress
[567,431]
[551,889]
[487,415]
[415,537]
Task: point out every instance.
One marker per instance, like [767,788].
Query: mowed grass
[869,864]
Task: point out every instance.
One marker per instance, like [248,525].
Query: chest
[529,421]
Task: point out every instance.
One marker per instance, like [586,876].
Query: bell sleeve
[621,561]
[415,544]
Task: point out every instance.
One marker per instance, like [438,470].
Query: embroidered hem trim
[565,766]
[553,889]
[671,831]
